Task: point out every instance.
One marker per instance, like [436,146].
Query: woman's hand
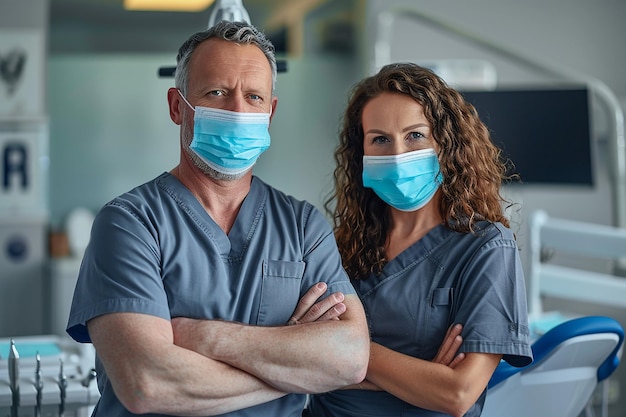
[447,353]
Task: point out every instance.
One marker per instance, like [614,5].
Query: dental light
[231,10]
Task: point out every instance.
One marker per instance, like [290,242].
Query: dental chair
[570,360]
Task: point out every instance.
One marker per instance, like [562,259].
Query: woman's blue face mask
[406,181]
[229,142]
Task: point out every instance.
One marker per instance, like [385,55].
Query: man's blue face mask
[229,142]
[406,181]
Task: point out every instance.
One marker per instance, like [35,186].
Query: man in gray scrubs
[189,288]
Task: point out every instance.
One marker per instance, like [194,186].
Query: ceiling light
[168,5]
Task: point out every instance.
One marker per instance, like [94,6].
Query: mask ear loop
[185,100]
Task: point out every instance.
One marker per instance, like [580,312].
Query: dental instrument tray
[47,375]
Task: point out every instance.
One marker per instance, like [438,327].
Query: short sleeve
[323,262]
[492,303]
[120,271]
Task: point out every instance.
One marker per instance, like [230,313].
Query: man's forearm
[151,375]
[309,357]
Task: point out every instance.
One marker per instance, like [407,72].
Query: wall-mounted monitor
[545,133]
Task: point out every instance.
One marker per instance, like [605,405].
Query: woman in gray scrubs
[420,225]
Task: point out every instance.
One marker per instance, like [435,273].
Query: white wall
[109,127]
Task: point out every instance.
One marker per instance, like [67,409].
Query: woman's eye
[416,135]
[380,139]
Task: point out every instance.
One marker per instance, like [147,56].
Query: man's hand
[447,354]
[309,309]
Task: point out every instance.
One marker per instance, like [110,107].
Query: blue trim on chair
[557,335]
[505,370]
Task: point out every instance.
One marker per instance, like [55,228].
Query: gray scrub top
[444,278]
[155,250]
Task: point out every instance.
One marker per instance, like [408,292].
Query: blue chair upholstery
[569,362]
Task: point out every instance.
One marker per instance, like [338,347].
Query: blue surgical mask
[227,141]
[407,181]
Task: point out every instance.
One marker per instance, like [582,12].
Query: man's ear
[174,102]
[274,105]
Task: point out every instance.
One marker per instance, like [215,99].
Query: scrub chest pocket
[440,312]
[280,292]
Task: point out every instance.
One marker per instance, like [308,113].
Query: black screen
[545,133]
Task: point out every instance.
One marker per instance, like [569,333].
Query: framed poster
[22,72]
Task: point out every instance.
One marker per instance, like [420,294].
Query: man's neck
[221,199]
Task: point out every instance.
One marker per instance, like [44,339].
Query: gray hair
[238,32]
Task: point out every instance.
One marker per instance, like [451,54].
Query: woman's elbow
[456,410]
[459,402]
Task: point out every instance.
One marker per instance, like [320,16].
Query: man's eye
[255,97]
[216,93]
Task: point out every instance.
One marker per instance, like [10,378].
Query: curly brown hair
[472,167]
